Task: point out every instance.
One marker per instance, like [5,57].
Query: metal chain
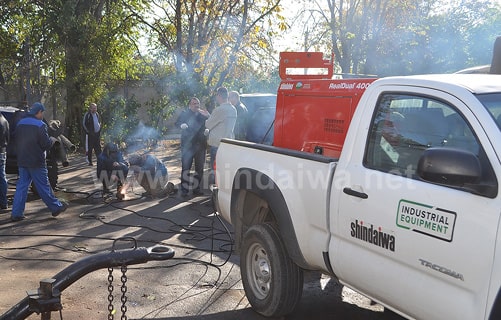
[124,291]
[111,309]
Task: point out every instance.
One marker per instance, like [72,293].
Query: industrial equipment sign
[435,222]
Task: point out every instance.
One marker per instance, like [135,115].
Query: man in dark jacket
[111,168]
[4,140]
[151,174]
[92,128]
[32,142]
[193,145]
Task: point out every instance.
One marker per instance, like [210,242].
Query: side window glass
[405,125]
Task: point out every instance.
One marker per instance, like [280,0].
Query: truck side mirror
[448,166]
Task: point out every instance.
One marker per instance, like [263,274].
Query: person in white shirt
[220,124]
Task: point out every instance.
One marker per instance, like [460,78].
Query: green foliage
[211,43]
[76,51]
[389,37]
[158,111]
[119,117]
[83,44]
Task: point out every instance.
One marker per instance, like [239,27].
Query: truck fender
[250,184]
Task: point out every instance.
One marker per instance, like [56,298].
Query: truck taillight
[214,170]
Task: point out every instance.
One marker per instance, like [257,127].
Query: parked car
[477,69]
[13,115]
[261,108]
[57,154]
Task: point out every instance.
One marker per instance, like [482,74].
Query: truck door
[423,247]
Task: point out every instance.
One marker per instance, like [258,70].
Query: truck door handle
[354,193]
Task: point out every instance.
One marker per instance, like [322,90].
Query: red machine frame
[313,110]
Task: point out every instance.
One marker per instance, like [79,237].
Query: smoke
[142,137]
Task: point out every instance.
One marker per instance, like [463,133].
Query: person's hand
[184,126]
[204,112]
[206,132]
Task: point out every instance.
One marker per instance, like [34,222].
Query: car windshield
[492,102]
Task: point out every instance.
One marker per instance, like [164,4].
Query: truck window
[406,125]
[492,102]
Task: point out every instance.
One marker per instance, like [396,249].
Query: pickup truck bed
[254,189]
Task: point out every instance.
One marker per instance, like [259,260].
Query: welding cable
[183,229]
[155,313]
[174,228]
[186,230]
[211,228]
[184,295]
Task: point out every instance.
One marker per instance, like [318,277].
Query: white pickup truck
[407,215]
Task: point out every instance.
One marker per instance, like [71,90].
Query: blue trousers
[3,180]
[41,182]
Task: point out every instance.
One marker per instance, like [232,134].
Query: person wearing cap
[112,168]
[32,142]
[151,174]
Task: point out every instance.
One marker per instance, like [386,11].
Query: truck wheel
[273,283]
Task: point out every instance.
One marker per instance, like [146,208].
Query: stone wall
[141,91]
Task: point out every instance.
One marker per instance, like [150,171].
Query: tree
[85,44]
[9,48]
[99,39]
[399,37]
[212,42]
[482,36]
[362,29]
[463,35]
[25,49]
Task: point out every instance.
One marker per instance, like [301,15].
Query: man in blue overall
[32,143]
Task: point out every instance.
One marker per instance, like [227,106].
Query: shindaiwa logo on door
[426,219]
[371,234]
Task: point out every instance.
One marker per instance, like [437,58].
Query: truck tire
[273,283]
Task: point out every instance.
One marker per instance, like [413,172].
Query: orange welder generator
[314,110]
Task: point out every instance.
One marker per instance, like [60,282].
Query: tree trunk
[75,97]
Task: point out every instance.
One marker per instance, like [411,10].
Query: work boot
[120,195]
[170,188]
[60,210]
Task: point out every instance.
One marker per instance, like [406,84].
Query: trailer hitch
[47,298]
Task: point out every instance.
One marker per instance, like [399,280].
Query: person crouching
[112,168]
[151,174]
